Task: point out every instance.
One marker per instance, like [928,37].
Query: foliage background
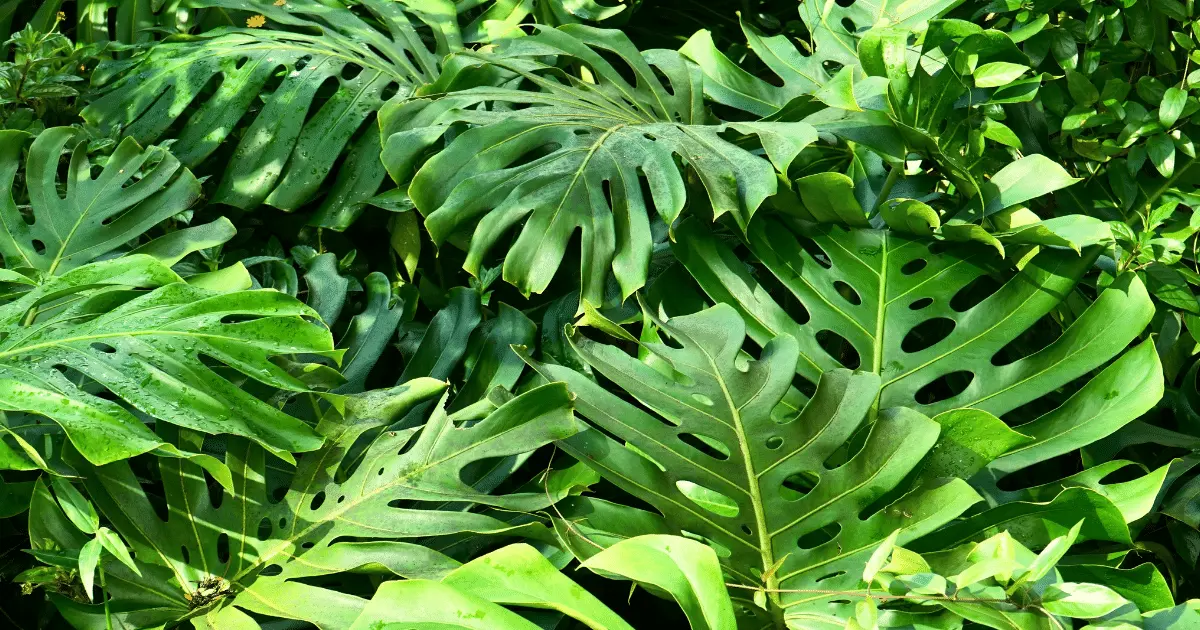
[813,315]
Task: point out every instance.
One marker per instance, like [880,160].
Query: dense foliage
[606,314]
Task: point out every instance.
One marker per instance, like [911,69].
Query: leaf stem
[104,596]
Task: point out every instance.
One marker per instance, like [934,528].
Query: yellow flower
[256,21]
[61,15]
[280,3]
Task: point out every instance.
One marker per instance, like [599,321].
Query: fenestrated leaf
[226,549]
[835,33]
[717,422]
[877,289]
[136,190]
[135,329]
[575,154]
[287,151]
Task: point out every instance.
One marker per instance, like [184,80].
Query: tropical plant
[768,314]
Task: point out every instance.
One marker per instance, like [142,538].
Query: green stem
[104,596]
[894,175]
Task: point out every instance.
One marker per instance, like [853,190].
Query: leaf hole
[774,442]
[271,570]
[798,484]
[830,576]
[223,547]
[103,347]
[317,500]
[707,498]
[848,24]
[1031,341]
[839,348]
[350,70]
[944,387]
[921,303]
[709,446]
[815,252]
[389,91]
[39,247]
[928,333]
[847,292]
[974,293]
[819,537]
[913,266]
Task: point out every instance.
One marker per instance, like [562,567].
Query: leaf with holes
[945,327]
[321,73]
[940,323]
[134,191]
[129,328]
[254,551]
[712,448]
[835,32]
[592,155]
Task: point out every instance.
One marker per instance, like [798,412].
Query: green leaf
[607,135]
[718,422]
[289,147]
[1082,89]
[1143,585]
[75,506]
[910,216]
[801,73]
[998,73]
[895,285]
[440,606]
[136,190]
[829,198]
[1171,107]
[1161,151]
[1082,601]
[688,570]
[1027,178]
[518,575]
[306,532]
[145,348]
[970,440]
[89,558]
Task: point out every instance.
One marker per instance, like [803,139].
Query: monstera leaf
[592,154]
[335,70]
[835,32]
[712,448]
[245,550]
[136,190]
[945,327]
[130,331]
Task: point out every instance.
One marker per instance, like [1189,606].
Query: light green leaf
[89,558]
[75,505]
[998,73]
[1081,601]
[686,569]
[1027,178]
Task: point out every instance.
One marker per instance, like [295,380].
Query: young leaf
[75,505]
